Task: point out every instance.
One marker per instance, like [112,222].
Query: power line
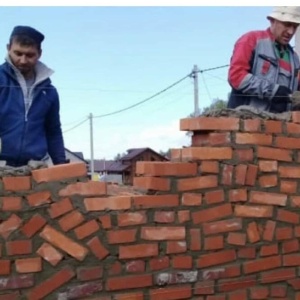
[145,100]
[211,69]
[75,126]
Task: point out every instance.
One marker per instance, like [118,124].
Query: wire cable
[77,125]
[143,101]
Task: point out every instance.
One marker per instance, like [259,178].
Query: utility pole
[92,146]
[196,95]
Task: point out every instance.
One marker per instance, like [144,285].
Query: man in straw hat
[264,69]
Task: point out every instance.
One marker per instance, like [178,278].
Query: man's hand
[281,99]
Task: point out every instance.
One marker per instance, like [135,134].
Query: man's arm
[240,76]
[54,136]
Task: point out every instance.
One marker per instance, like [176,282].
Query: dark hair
[24,40]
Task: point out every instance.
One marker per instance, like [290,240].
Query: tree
[166,153]
[216,104]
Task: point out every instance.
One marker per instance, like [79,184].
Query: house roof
[101,165]
[117,166]
[137,151]
[79,155]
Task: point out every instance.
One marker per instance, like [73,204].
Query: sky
[109,58]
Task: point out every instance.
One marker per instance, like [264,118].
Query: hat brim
[284,17]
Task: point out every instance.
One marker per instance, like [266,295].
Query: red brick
[221,272]
[19,183]
[290,246]
[191,199]
[90,188]
[130,296]
[251,175]
[236,238]
[292,128]
[135,266]
[176,247]
[259,293]
[222,226]
[240,174]
[159,263]
[36,223]
[287,216]
[267,181]
[287,142]
[269,231]
[50,254]
[4,267]
[216,258]
[289,172]
[227,174]
[253,233]
[252,125]
[70,220]
[196,183]
[17,282]
[288,187]
[29,265]
[10,225]
[272,126]
[268,165]
[228,285]
[152,183]
[295,283]
[283,233]
[268,250]
[11,203]
[243,155]
[213,197]
[297,231]
[211,214]
[54,282]
[249,252]
[209,123]
[63,242]
[171,293]
[213,243]
[238,195]
[290,260]
[183,216]
[10,296]
[19,247]
[115,268]
[253,139]
[295,201]
[278,291]
[97,248]
[206,153]
[128,282]
[195,239]
[204,288]
[111,203]
[238,295]
[176,154]
[182,262]
[164,216]
[253,211]
[131,218]
[161,168]
[268,198]
[155,201]
[281,274]
[211,139]
[89,273]
[81,290]
[209,167]
[274,154]
[163,233]
[60,208]
[39,198]
[216,297]
[262,264]
[138,251]
[60,172]
[121,236]
[106,221]
[86,229]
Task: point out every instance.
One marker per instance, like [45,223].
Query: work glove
[280,100]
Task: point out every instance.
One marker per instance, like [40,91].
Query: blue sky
[108,58]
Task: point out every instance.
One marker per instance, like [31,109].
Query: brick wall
[218,222]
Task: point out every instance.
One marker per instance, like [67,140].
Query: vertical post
[297,41]
[196,95]
[92,146]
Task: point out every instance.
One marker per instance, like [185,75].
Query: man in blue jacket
[30,127]
[264,69]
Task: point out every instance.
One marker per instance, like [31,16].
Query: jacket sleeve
[55,141]
[240,75]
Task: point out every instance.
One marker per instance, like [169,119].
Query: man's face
[283,31]
[23,57]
